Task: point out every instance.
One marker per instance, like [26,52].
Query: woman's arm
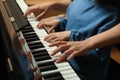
[78,48]
[43,8]
[109,37]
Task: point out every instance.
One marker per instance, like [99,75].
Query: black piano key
[30,33]
[30,36]
[53,76]
[34,43]
[47,68]
[27,30]
[42,58]
[35,52]
[27,27]
[36,46]
[32,39]
[46,64]
[40,54]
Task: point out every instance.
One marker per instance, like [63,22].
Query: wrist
[91,43]
[67,33]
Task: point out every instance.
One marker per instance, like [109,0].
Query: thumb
[51,29]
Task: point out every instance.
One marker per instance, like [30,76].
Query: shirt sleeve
[108,22]
[61,26]
[104,24]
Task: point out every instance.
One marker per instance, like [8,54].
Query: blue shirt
[86,18]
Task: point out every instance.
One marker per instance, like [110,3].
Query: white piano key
[64,68]
[57,70]
[73,78]
[66,72]
[70,75]
[22,5]
[33,23]
[41,62]
[49,72]
[40,32]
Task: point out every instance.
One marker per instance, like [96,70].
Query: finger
[46,37]
[49,38]
[72,55]
[28,56]
[62,58]
[43,24]
[38,77]
[28,53]
[51,29]
[40,25]
[28,12]
[34,69]
[18,34]
[57,43]
[39,17]
[60,48]
[22,41]
[56,39]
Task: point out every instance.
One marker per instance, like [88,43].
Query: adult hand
[71,48]
[42,8]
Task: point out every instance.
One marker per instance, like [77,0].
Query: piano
[15,27]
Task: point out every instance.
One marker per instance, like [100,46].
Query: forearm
[109,37]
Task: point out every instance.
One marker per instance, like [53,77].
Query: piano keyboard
[40,51]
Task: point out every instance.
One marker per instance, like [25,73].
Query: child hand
[52,24]
[57,36]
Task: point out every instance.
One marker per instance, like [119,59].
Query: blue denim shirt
[86,18]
